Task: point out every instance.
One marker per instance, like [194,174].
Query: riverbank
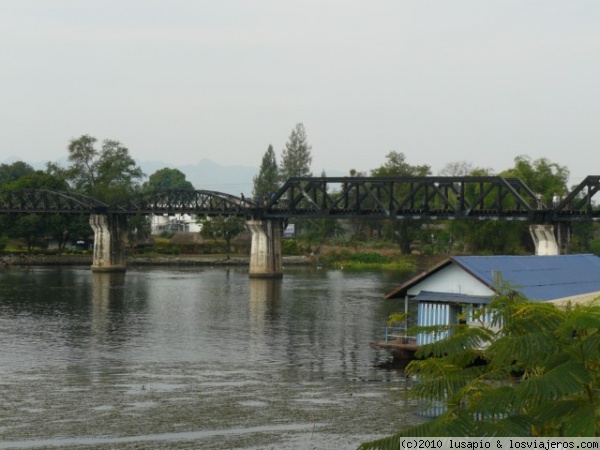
[155,260]
[346,261]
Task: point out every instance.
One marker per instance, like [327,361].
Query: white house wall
[431,314]
[453,280]
[159,222]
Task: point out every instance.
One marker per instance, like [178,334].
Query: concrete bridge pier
[544,240]
[110,239]
[265,250]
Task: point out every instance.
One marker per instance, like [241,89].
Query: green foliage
[584,237]
[223,227]
[404,232]
[291,247]
[140,227]
[266,181]
[316,231]
[541,175]
[396,166]
[38,180]
[12,172]
[502,237]
[3,241]
[108,173]
[368,258]
[167,179]
[397,318]
[595,246]
[366,261]
[540,376]
[296,156]
[35,228]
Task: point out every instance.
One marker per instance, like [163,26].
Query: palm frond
[513,425]
[564,379]
[570,417]
[526,349]
[583,420]
[487,400]
[458,338]
[451,423]
[591,348]
[542,376]
[535,318]
[438,380]
[581,321]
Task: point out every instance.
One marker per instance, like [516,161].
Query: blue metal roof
[537,277]
[443,297]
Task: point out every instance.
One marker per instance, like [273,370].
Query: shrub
[290,247]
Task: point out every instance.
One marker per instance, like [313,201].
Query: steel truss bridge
[442,198]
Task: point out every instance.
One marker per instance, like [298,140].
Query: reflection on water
[195,359]
[107,297]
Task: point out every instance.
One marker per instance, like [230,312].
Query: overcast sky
[179,81]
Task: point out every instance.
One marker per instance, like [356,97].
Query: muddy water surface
[195,359]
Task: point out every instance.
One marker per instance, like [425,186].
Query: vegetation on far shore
[336,255]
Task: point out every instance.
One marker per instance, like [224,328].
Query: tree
[267,180]
[541,175]
[504,237]
[140,226]
[402,231]
[355,173]
[296,156]
[107,174]
[168,179]
[397,166]
[14,171]
[538,375]
[456,169]
[64,228]
[318,230]
[222,227]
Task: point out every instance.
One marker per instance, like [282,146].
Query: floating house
[459,285]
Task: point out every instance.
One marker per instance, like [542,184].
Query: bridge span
[419,198]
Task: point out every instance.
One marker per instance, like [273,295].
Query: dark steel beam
[443,198]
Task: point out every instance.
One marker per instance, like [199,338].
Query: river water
[201,358]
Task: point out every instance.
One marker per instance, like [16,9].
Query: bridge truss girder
[183,201]
[579,205]
[31,201]
[478,198]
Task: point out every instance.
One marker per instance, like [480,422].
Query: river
[198,358]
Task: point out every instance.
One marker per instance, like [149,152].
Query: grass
[383,259]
